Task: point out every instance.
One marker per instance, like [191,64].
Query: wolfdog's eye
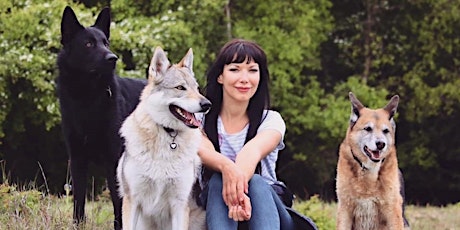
[368,128]
[179,87]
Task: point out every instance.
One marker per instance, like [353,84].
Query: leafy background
[318,51]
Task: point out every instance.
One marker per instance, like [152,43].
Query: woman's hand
[241,211]
[235,185]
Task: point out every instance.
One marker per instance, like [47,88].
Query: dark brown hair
[237,51]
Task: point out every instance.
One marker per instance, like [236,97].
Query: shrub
[321,213]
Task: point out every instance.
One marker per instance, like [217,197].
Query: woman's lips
[243,89]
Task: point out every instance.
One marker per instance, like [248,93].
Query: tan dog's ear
[158,65]
[187,60]
[356,106]
[392,106]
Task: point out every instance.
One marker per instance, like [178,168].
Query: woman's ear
[219,79]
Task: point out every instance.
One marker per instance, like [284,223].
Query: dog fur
[368,177]
[93,103]
[160,164]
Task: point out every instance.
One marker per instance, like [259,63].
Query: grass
[30,209]
[419,217]
[434,218]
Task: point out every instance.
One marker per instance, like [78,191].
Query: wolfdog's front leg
[134,217]
[180,217]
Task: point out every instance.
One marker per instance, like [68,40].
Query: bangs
[241,52]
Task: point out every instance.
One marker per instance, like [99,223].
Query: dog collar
[361,163]
[109,91]
[357,160]
[172,133]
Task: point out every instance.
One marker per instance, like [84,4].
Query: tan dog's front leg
[344,219]
[395,219]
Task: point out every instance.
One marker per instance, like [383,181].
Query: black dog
[94,102]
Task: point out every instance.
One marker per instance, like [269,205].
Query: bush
[321,213]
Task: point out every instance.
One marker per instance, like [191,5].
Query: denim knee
[258,184]
[215,182]
[216,209]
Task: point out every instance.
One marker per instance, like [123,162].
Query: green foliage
[410,49]
[318,51]
[291,37]
[174,25]
[27,208]
[52,212]
[20,202]
[27,68]
[318,211]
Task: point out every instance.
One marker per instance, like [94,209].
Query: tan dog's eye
[369,129]
[385,131]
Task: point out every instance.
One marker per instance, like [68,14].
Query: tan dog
[160,164]
[368,177]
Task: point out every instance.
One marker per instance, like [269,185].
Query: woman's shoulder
[272,120]
[272,115]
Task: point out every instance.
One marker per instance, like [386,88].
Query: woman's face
[240,80]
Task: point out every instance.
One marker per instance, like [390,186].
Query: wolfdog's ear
[392,106]
[356,106]
[69,25]
[103,21]
[187,60]
[158,65]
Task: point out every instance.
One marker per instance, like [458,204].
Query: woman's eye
[180,87]
[254,70]
[233,69]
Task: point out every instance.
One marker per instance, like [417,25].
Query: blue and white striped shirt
[231,144]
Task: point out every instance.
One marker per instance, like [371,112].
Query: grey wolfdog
[160,165]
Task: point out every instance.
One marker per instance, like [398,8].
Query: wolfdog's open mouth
[374,155]
[185,116]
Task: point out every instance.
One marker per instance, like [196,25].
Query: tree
[30,119]
[317,50]
[29,115]
[408,48]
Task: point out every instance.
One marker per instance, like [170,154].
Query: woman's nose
[244,77]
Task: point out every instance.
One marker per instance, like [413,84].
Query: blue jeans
[268,211]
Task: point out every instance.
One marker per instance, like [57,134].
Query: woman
[244,136]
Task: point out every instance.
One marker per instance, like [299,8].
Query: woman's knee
[258,181]
[215,182]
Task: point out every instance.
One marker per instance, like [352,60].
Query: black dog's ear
[103,21]
[69,25]
[356,106]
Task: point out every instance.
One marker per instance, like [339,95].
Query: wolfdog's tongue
[192,120]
